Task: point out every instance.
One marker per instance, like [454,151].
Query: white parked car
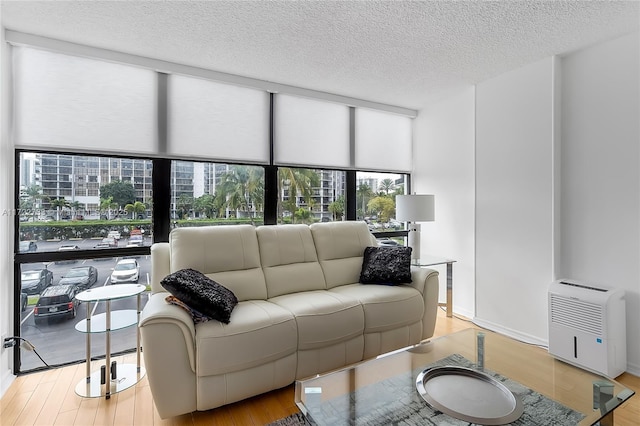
[125,271]
[114,234]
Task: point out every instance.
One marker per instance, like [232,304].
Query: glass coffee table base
[127,375]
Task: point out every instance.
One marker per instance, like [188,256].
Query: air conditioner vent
[579,315]
[587,287]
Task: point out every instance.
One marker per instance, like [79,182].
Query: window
[310,195]
[376,203]
[63,211]
[49,310]
[216,194]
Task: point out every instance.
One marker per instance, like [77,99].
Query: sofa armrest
[168,336]
[160,314]
[426,281]
[160,265]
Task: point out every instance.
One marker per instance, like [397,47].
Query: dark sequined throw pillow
[386,265]
[201,293]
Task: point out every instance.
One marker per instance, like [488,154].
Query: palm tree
[135,208]
[364,193]
[387,185]
[58,204]
[242,188]
[337,208]
[299,182]
[184,205]
[106,204]
[75,206]
[33,193]
[205,204]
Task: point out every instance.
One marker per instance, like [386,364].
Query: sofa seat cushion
[385,307]
[259,332]
[323,318]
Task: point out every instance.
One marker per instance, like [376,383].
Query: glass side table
[117,377]
[426,261]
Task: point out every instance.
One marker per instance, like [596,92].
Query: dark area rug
[406,407]
[296,419]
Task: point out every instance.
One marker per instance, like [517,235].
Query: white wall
[557,186]
[600,203]
[444,166]
[514,200]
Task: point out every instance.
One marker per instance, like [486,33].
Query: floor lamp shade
[415,208]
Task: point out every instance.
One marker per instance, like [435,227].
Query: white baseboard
[633,369]
[6,380]
[514,334]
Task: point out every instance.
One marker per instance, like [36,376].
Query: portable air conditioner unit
[587,327]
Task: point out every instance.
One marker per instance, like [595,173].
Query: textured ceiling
[404,53]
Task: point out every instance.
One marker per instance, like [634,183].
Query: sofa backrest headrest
[289,260]
[340,247]
[227,254]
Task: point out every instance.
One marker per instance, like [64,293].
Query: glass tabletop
[381,389]
[428,260]
[110,292]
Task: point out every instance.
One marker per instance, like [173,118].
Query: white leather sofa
[301,312]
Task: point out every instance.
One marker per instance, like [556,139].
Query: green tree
[300,183]
[387,185]
[31,199]
[76,206]
[59,204]
[242,189]
[206,204]
[364,193]
[122,193]
[384,207]
[337,208]
[106,205]
[303,215]
[184,205]
[135,208]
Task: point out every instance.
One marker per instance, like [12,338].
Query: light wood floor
[49,398]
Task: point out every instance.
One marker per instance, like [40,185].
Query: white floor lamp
[415,208]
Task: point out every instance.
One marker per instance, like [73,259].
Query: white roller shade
[217,121]
[65,101]
[383,141]
[310,132]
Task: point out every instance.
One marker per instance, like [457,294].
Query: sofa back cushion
[289,260]
[340,247]
[228,255]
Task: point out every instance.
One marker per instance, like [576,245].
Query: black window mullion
[351,198]
[271,174]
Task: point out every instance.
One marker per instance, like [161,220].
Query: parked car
[27,246]
[33,282]
[23,301]
[112,242]
[126,270]
[56,301]
[82,277]
[67,247]
[114,234]
[387,242]
[136,240]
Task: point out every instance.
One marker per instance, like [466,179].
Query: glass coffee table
[384,390]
